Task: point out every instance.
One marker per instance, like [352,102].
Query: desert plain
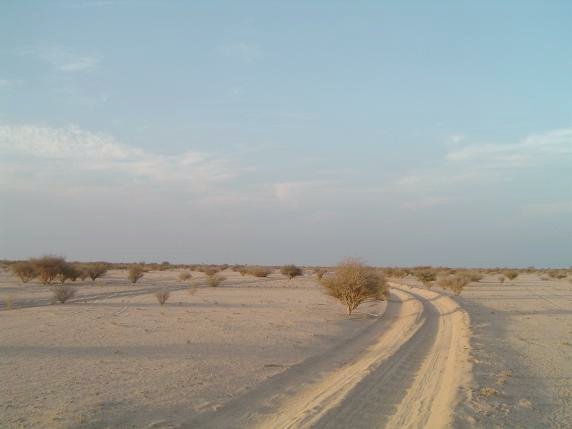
[275,352]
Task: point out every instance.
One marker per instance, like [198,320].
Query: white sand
[278,353]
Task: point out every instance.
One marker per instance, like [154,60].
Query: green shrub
[291,271]
[354,283]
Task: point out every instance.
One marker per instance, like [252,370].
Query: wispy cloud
[530,150]
[83,151]
[241,51]
[9,83]
[63,59]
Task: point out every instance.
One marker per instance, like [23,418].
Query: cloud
[529,151]
[241,51]
[63,59]
[78,151]
[9,83]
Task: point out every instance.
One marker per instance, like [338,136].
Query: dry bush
[353,283]
[68,272]
[291,271]
[425,276]
[502,279]
[557,274]
[48,268]
[454,282]
[184,276]
[25,270]
[162,296]
[510,274]
[474,276]
[214,280]
[83,274]
[95,271]
[259,271]
[210,271]
[134,273]
[62,293]
[320,272]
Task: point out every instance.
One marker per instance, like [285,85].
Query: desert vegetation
[455,282]
[184,276]
[291,271]
[95,270]
[24,270]
[354,283]
[214,279]
[134,273]
[162,296]
[62,293]
[49,268]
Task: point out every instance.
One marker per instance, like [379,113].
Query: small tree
[354,283]
[134,273]
[62,293]
[49,268]
[95,271]
[213,280]
[291,271]
[162,296]
[184,276]
[68,272]
[25,270]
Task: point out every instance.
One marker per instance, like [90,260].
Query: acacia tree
[354,283]
[94,271]
[25,270]
[49,268]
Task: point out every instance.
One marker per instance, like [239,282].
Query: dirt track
[409,377]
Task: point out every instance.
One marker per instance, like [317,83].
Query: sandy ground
[521,353]
[277,353]
[127,362]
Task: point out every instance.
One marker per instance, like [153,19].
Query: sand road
[410,376]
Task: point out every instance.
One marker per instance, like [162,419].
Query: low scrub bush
[134,273]
[511,274]
[354,283]
[426,276]
[184,276]
[25,270]
[454,282]
[68,272]
[95,271]
[48,268]
[259,271]
[214,280]
[291,271]
[162,296]
[62,293]
[502,279]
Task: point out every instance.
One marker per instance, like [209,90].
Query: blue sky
[275,132]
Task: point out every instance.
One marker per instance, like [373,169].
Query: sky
[266,132]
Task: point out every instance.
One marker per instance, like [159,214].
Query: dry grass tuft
[354,283]
[8,303]
[488,391]
[162,296]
